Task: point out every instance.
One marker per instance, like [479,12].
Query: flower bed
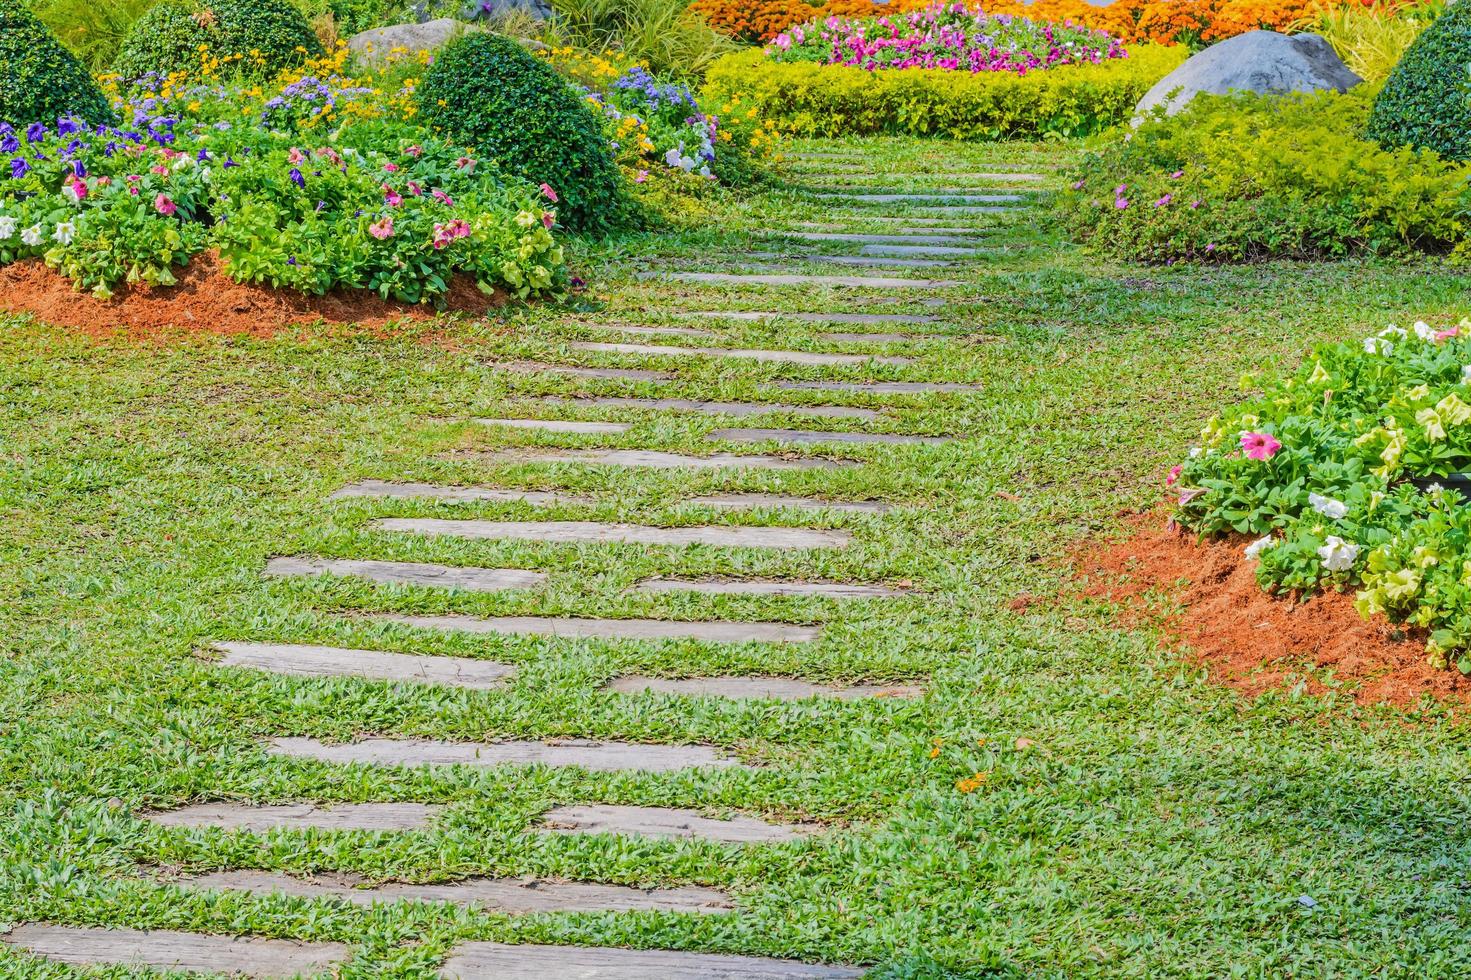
[1344,474]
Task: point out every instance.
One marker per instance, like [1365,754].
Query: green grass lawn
[1160,825]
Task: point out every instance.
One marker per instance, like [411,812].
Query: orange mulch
[205,300]
[1248,639]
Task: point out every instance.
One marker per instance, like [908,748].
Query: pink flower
[1079,185]
[415,190]
[465,163]
[641,176]
[1447,334]
[159,169]
[75,189]
[381,229]
[1173,475]
[415,151]
[391,167]
[391,197]
[294,156]
[163,205]
[1177,175]
[1259,445]
[442,197]
[1119,190]
[1195,204]
[1121,203]
[1164,201]
[1210,248]
[548,218]
[550,194]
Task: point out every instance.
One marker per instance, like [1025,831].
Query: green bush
[809,99]
[1243,177]
[488,91]
[260,36]
[40,79]
[1427,100]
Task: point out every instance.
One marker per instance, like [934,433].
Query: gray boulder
[493,9]
[373,46]
[1258,61]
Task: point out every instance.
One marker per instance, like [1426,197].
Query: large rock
[374,46]
[492,9]
[1259,61]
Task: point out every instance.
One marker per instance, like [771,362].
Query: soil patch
[205,300]
[1248,639]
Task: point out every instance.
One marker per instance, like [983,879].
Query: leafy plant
[665,35]
[39,79]
[1371,38]
[487,91]
[1426,102]
[92,31]
[259,37]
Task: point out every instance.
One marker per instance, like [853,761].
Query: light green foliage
[829,100]
[1243,177]
[92,30]
[1371,38]
[664,34]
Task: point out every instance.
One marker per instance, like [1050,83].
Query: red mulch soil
[205,300]
[1248,639]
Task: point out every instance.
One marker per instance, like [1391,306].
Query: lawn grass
[1159,826]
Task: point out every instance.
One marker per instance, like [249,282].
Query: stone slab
[428,491]
[824,590]
[654,459]
[1000,175]
[657,331]
[408,573]
[512,896]
[734,501]
[758,315]
[716,408]
[167,949]
[568,627]
[922,250]
[930,226]
[878,387]
[560,425]
[584,753]
[612,374]
[874,338]
[858,238]
[594,532]
[950,209]
[789,279]
[773,688]
[809,436]
[774,356]
[877,261]
[298,816]
[506,961]
[655,821]
[301,660]
[934,198]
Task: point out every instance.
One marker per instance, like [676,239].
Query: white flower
[1258,546]
[32,236]
[65,232]
[1466,374]
[7,228]
[1424,330]
[1328,507]
[1196,452]
[1338,555]
[1375,345]
[1434,488]
[72,194]
[1393,331]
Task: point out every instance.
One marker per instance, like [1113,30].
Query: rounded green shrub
[39,79]
[260,36]
[1426,102]
[487,91]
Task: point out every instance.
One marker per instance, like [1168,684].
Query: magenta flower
[1164,201]
[415,151]
[550,194]
[548,218]
[1195,204]
[1119,190]
[294,156]
[1447,334]
[381,229]
[415,190]
[391,197]
[1079,185]
[641,177]
[442,197]
[391,167]
[164,206]
[1259,445]
[1121,203]
[1173,475]
[1177,175]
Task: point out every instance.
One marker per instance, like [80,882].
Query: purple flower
[203,155]
[291,261]
[297,178]
[229,162]
[78,168]
[65,127]
[19,168]
[9,144]
[35,133]
[1121,203]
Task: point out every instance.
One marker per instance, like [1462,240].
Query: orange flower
[972,783]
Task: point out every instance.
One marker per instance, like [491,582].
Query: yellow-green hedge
[835,100]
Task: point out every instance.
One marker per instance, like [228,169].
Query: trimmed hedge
[168,37]
[1426,102]
[837,100]
[489,92]
[39,79]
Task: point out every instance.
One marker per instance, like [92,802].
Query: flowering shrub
[810,99]
[262,37]
[1242,177]
[753,20]
[945,36]
[40,79]
[1345,473]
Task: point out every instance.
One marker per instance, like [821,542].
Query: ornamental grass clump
[1345,474]
[39,79]
[944,36]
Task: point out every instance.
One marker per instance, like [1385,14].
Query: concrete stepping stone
[300,660]
[594,532]
[735,501]
[777,356]
[657,331]
[511,896]
[771,688]
[936,198]
[948,209]
[876,338]
[298,816]
[506,961]
[792,279]
[560,425]
[572,628]
[859,238]
[167,949]
[999,175]
[653,459]
[806,436]
[929,226]
[757,315]
[583,753]
[616,374]
[825,590]
[878,387]
[410,491]
[716,408]
[407,573]
[922,250]
[876,261]
[663,822]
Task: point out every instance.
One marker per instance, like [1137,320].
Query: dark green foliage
[1427,100]
[168,37]
[40,79]
[489,92]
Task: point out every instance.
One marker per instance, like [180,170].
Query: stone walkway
[936,219]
